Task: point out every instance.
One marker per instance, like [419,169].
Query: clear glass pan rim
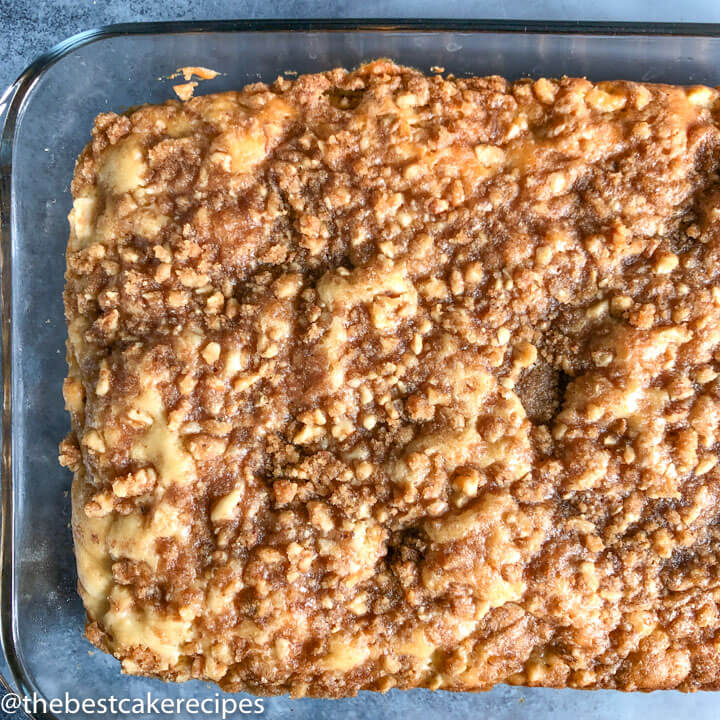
[12,101]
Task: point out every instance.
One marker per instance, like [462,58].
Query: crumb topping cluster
[386,380]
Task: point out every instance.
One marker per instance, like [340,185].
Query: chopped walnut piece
[70,456]
[93,441]
[73,394]
[135,483]
[211,353]
[100,505]
[103,384]
[206,447]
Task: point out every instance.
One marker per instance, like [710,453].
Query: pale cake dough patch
[384,380]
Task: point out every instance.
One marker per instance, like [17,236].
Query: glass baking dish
[47,116]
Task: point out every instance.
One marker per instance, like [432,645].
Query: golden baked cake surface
[384,380]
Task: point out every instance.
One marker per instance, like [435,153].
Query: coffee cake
[385,380]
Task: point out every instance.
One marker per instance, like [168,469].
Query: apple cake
[380,379]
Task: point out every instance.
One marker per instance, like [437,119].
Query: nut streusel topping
[384,380]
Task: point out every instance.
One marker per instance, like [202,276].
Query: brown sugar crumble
[385,380]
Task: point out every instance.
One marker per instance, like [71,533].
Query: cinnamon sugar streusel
[384,380]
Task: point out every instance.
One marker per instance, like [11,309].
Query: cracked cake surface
[380,379]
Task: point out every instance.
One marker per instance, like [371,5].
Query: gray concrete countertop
[28,27]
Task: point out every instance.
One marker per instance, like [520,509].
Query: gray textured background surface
[29,27]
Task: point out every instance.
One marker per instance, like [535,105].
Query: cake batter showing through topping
[385,380]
